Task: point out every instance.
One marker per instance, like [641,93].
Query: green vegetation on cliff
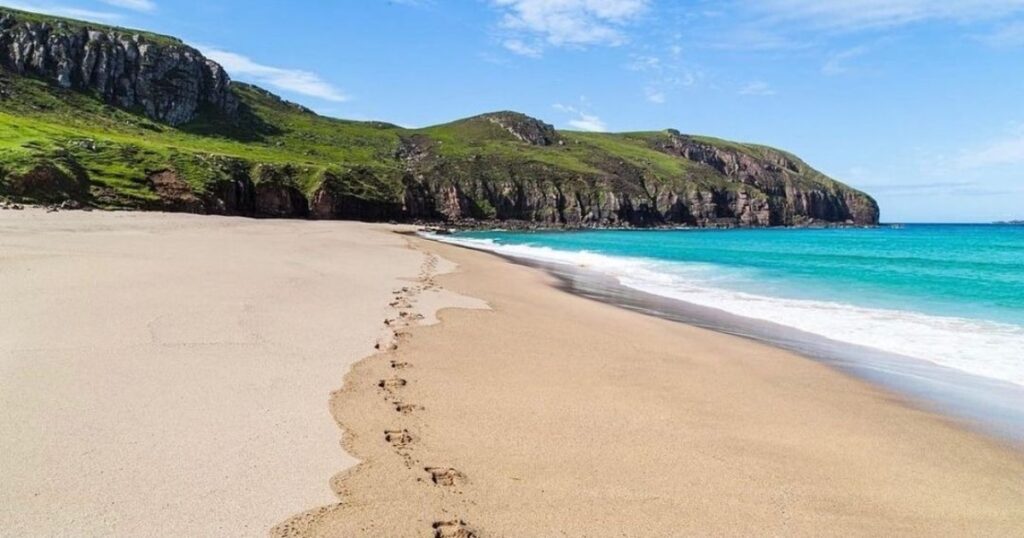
[269,157]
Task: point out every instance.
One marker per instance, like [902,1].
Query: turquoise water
[949,294]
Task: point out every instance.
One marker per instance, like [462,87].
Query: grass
[62,24]
[120,149]
[276,141]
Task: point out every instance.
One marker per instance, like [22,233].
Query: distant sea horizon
[1011,222]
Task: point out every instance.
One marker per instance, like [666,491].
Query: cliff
[118,118]
[159,76]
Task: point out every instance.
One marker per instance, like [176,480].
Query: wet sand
[555,415]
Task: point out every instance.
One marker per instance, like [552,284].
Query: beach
[554,415]
[172,374]
[169,374]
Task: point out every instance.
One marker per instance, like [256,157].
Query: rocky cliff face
[766,189]
[277,159]
[769,190]
[168,81]
[784,181]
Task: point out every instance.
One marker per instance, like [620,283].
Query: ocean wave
[983,348]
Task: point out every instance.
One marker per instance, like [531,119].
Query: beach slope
[554,415]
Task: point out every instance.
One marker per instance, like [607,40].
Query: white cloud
[582,120]
[1005,151]
[837,63]
[294,80]
[145,6]
[519,47]
[64,11]
[757,87]
[863,14]
[588,122]
[655,96]
[569,22]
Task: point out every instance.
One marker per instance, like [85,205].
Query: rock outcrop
[763,188]
[165,79]
[174,193]
[291,163]
[524,128]
[785,181]
[48,183]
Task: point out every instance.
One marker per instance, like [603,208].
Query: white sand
[169,375]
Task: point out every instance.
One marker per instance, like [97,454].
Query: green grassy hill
[268,157]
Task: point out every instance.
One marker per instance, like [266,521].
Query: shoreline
[988,405]
[977,403]
[495,419]
[168,374]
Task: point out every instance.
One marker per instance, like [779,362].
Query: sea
[936,310]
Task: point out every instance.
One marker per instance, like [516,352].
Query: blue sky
[918,102]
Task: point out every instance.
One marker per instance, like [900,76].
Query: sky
[918,102]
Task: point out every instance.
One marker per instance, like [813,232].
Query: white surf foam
[984,348]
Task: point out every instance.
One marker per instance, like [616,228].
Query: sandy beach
[179,375]
[169,375]
[553,415]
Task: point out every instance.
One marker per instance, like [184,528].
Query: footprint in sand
[407,409]
[409,316]
[392,384]
[400,365]
[398,438]
[452,529]
[385,346]
[445,476]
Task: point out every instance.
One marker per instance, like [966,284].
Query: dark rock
[335,199]
[276,200]
[778,177]
[168,81]
[766,189]
[523,127]
[235,197]
[47,183]
[174,193]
